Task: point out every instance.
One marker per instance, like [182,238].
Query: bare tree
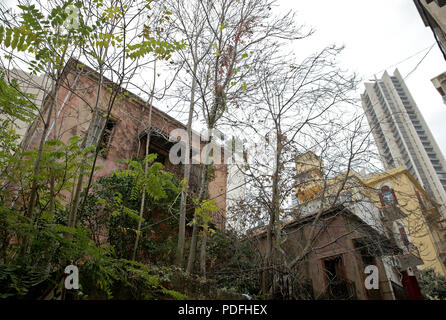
[189,23]
[233,37]
[299,107]
[113,38]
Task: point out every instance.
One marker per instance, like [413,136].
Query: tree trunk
[203,253]
[33,195]
[141,209]
[187,167]
[272,233]
[193,246]
[72,216]
[146,153]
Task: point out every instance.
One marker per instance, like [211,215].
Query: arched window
[387,197]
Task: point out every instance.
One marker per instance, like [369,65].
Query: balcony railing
[392,212]
[410,257]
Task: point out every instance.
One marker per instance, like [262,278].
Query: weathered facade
[341,250]
[425,226]
[125,131]
[374,202]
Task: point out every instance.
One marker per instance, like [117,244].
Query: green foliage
[30,270]
[126,279]
[160,49]
[154,181]
[153,40]
[34,250]
[233,263]
[8,143]
[202,213]
[16,280]
[114,204]
[30,273]
[59,165]
[44,35]
[433,285]
[13,106]
[147,281]
[36,247]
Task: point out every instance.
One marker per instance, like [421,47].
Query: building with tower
[402,135]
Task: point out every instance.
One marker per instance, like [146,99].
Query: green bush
[233,263]
[432,284]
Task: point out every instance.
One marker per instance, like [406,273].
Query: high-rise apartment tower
[401,134]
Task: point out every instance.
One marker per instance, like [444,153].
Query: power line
[418,64]
[408,58]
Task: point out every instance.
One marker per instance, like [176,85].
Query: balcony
[392,212]
[387,244]
[410,257]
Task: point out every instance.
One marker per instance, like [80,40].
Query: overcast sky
[377,35]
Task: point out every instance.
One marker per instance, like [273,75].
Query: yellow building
[403,206]
[426,227]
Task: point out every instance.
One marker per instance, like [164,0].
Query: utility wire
[418,64]
[408,58]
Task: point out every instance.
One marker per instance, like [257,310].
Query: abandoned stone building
[342,246]
[338,227]
[126,129]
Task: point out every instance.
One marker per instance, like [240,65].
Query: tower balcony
[392,212]
[410,257]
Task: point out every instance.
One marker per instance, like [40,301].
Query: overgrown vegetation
[35,251]
[125,229]
[42,226]
[433,285]
[234,263]
[112,215]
